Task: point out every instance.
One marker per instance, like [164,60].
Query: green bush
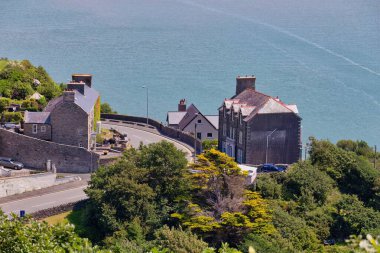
[179,241]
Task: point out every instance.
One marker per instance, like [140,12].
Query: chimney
[86,78]
[79,86]
[182,105]
[68,96]
[244,82]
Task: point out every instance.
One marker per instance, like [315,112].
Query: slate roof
[213,119]
[86,101]
[182,119]
[37,117]
[174,118]
[251,102]
[189,116]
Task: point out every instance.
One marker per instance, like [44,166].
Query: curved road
[136,136]
[41,202]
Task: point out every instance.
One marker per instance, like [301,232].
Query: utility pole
[195,141]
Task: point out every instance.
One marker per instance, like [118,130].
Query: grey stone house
[192,121]
[68,119]
[255,128]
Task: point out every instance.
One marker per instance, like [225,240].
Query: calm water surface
[322,55]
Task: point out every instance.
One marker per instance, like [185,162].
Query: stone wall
[43,135]
[164,130]
[34,153]
[70,125]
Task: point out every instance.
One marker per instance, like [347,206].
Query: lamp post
[266,152]
[147,104]
[195,137]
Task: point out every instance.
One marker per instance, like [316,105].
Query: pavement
[72,192]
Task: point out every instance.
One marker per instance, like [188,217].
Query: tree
[295,229]
[352,173]
[307,184]
[178,240]
[222,210]
[26,235]
[106,108]
[353,218]
[141,190]
[4,102]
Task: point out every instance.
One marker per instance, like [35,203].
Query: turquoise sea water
[322,55]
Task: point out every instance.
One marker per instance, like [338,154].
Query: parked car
[284,166]
[269,167]
[10,125]
[10,163]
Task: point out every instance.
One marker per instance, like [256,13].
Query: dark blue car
[269,167]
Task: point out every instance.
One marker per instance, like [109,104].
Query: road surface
[136,136]
[33,204]
[41,202]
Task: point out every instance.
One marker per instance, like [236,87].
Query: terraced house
[69,119]
[255,128]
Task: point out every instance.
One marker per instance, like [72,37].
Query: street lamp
[147,104]
[195,137]
[266,151]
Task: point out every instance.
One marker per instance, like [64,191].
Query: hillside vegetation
[18,81]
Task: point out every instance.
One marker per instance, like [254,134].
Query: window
[224,112]
[224,130]
[230,132]
[199,121]
[209,135]
[223,147]
[35,128]
[80,145]
[233,133]
[240,137]
[199,135]
[241,119]
[43,129]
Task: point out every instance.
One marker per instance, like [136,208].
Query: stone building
[191,120]
[70,118]
[255,128]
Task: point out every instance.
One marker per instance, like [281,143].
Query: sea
[322,55]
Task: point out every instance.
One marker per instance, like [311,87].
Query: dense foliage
[19,79]
[25,235]
[151,200]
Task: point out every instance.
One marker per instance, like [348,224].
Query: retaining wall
[164,130]
[17,185]
[34,153]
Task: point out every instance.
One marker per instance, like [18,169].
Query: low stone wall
[164,130]
[17,185]
[34,153]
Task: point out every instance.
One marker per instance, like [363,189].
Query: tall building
[255,128]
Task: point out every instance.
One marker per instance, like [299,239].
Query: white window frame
[35,128]
[43,129]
